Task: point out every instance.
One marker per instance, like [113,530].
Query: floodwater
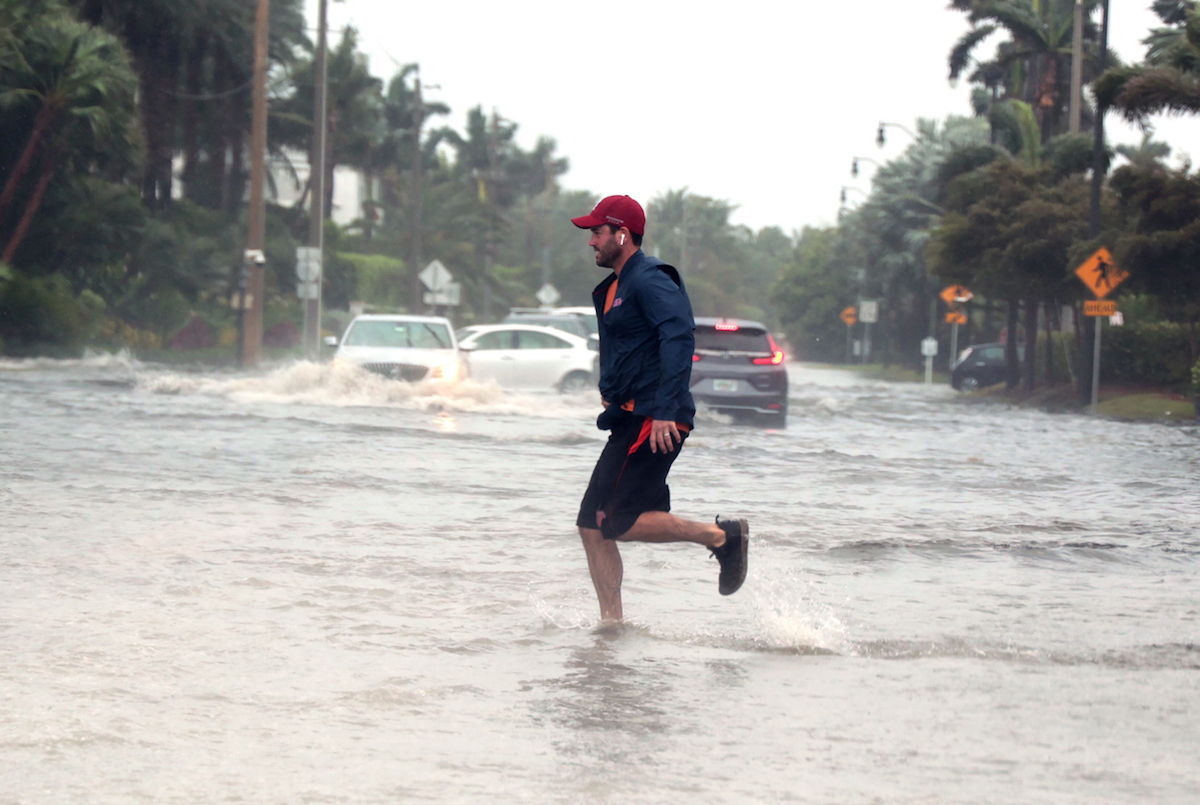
[314,585]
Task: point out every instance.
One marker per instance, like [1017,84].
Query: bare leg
[666,527]
[604,563]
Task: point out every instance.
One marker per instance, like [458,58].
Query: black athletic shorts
[628,481]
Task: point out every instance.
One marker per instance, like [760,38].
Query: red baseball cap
[618,211]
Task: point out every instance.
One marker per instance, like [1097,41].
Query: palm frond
[960,55]
[1156,91]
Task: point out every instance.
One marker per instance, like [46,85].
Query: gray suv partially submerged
[737,367]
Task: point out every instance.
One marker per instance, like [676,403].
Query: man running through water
[646,346]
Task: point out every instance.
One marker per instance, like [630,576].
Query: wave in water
[91,359]
[344,384]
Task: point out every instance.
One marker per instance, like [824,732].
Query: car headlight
[447,371]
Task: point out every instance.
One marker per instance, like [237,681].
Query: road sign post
[929,348]
[954,296]
[1101,275]
[850,317]
[868,314]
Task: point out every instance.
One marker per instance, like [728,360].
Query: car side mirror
[331,341]
[466,347]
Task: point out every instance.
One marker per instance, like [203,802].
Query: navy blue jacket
[646,341]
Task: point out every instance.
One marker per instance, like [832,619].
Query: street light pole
[881,138]
[854,165]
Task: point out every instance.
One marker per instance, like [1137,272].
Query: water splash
[790,612]
[345,384]
[91,359]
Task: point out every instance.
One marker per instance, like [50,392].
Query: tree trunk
[41,128]
[1048,306]
[35,201]
[1029,365]
[1012,368]
[191,116]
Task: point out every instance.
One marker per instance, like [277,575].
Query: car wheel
[575,382]
[968,383]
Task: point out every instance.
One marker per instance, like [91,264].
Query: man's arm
[667,308]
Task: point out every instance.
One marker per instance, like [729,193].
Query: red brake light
[695,357]
[776,355]
[726,327]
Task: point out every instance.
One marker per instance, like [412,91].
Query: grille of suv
[411,372]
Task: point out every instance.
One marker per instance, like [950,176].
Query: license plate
[725,385]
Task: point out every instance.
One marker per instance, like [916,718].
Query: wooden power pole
[254,261]
[316,208]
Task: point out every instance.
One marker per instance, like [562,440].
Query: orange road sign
[1100,307]
[1100,274]
[850,316]
[955,317]
[956,294]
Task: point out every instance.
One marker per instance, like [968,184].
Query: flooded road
[315,585]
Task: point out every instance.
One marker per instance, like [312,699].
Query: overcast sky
[760,103]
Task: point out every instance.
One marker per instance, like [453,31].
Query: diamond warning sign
[850,316]
[1101,274]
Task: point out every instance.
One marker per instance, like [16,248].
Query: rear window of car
[742,340]
[408,334]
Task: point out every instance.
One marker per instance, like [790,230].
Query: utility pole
[1098,171]
[488,256]
[1077,69]
[254,262]
[316,207]
[549,190]
[415,293]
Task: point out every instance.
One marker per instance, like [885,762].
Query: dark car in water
[979,366]
[738,368]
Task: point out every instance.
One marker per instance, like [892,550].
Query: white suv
[408,348]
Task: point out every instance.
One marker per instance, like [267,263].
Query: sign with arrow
[956,295]
[850,316]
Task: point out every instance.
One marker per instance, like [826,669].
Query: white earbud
[622,240]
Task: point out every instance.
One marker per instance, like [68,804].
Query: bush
[1152,353]
[381,281]
[43,310]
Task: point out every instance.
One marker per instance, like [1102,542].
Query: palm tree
[1147,154]
[78,83]
[1169,80]
[1034,63]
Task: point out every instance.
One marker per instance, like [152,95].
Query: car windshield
[742,340]
[388,333]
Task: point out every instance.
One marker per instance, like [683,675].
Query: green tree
[1161,246]
[1033,64]
[1169,79]
[77,82]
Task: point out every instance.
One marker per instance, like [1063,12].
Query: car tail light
[726,327]
[776,355]
[696,357]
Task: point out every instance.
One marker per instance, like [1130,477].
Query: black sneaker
[732,555]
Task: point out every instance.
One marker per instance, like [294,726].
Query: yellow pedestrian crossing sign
[1101,274]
